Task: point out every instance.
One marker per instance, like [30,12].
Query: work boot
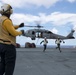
[60,50]
[56,47]
[43,50]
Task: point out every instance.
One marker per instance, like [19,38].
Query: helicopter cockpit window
[33,32]
[50,32]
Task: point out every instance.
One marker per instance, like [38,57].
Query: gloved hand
[21,25]
[23,32]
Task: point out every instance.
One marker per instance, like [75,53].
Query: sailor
[45,41]
[8,35]
[58,41]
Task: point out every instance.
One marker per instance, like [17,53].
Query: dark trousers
[58,46]
[8,57]
[44,48]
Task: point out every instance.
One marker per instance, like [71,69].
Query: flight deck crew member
[8,35]
[58,41]
[45,41]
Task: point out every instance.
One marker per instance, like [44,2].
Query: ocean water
[63,46]
[53,46]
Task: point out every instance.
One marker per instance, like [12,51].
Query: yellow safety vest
[5,37]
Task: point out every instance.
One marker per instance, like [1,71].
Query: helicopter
[42,33]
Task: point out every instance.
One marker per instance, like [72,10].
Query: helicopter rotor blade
[29,26]
[38,26]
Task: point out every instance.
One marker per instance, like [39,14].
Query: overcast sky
[58,16]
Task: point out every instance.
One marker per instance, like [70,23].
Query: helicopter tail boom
[70,35]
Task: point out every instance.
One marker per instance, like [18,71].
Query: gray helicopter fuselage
[41,33]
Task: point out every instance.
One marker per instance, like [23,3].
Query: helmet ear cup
[11,11]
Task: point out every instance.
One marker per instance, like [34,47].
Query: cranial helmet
[45,38]
[58,37]
[6,8]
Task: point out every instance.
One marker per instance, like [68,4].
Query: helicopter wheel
[32,38]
